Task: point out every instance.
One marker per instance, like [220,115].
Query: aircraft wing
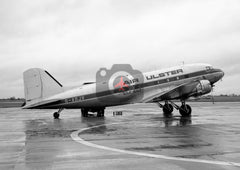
[41,104]
[182,91]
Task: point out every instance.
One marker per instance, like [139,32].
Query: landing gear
[100,113]
[185,110]
[167,108]
[84,112]
[56,115]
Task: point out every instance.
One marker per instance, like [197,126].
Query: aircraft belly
[89,103]
[93,102]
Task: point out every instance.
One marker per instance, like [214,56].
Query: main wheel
[185,110]
[84,112]
[56,115]
[167,109]
[100,113]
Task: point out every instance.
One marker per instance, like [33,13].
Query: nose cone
[221,74]
[216,76]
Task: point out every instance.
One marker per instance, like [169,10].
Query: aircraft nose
[221,74]
[218,76]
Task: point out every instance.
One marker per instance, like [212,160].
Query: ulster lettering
[169,73]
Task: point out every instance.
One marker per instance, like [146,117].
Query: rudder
[39,84]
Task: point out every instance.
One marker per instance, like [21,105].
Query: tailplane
[39,84]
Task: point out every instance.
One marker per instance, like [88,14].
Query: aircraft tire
[100,113]
[167,109]
[84,112]
[56,115]
[185,111]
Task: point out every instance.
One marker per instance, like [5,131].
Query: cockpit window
[208,68]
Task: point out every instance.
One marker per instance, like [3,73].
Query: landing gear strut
[84,112]
[100,113]
[57,114]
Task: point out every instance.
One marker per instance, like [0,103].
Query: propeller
[212,94]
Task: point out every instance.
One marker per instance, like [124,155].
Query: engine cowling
[203,87]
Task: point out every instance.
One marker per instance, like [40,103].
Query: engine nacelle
[203,87]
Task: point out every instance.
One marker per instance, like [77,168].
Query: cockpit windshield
[208,68]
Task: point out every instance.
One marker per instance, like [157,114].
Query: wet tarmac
[142,138]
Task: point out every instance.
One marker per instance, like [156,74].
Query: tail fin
[39,84]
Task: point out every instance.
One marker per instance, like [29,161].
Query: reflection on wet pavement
[33,140]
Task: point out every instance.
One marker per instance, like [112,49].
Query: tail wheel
[185,110]
[56,115]
[167,109]
[100,113]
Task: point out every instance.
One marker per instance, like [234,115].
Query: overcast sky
[72,39]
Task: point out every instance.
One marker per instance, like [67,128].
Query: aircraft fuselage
[155,83]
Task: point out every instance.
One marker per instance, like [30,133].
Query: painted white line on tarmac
[75,137]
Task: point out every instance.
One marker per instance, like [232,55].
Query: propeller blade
[212,95]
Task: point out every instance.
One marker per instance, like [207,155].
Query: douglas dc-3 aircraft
[43,91]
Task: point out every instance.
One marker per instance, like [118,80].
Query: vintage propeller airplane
[43,91]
